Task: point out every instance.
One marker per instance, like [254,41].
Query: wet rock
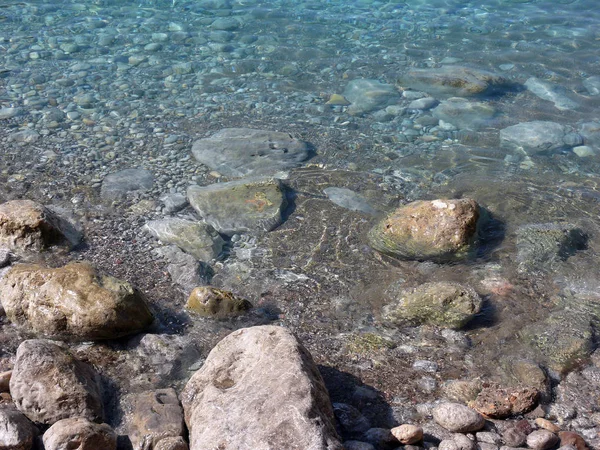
[533,137]
[369,95]
[461,390]
[458,418]
[408,434]
[49,384]
[27,225]
[25,136]
[573,439]
[421,230]
[500,403]
[171,443]
[174,202]
[350,418]
[457,81]
[463,113]
[185,270]
[591,134]
[592,84]
[79,434]
[196,238]
[514,437]
[444,304]
[72,302]
[543,246]
[238,152]
[542,440]
[564,339]
[424,104]
[9,113]
[552,93]
[243,206]
[208,301]
[119,185]
[349,199]
[155,415]
[267,371]
[17,432]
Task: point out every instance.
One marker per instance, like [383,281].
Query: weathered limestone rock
[17,432]
[500,403]
[27,225]
[196,238]
[441,303]
[49,384]
[458,418]
[421,230]
[72,302]
[155,416]
[244,206]
[455,81]
[259,389]
[238,152]
[79,434]
[212,302]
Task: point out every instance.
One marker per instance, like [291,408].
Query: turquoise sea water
[88,88]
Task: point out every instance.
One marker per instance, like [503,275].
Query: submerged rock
[212,302]
[464,113]
[196,238]
[185,270]
[27,225]
[592,84]
[444,304]
[457,81]
[552,93]
[533,137]
[259,388]
[72,302]
[500,403]
[79,434]
[49,384]
[244,206]
[238,152]
[542,246]
[349,199]
[369,95]
[119,185]
[421,230]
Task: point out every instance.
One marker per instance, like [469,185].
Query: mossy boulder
[444,304]
[428,230]
[208,301]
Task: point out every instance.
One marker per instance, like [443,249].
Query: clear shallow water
[115,84]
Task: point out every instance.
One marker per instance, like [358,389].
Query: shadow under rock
[487,317]
[491,232]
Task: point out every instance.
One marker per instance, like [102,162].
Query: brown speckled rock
[423,230]
[572,438]
[212,302]
[79,434]
[73,302]
[49,384]
[259,389]
[499,403]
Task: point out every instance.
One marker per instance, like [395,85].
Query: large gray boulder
[259,388]
[49,384]
[238,152]
[78,433]
[250,205]
[196,238]
[27,225]
[73,302]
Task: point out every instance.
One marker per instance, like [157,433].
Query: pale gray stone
[423,103]
[349,199]
[259,388]
[369,95]
[9,113]
[249,205]
[533,137]
[552,93]
[49,384]
[592,84]
[464,113]
[17,432]
[238,152]
[458,418]
[121,184]
[185,270]
[542,440]
[78,433]
[198,239]
[174,202]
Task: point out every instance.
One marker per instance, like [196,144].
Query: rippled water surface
[104,85]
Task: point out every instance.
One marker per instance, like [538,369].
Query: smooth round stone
[458,418]
[542,440]
[408,434]
[226,24]
[423,103]
[583,151]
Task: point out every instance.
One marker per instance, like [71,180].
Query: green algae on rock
[428,230]
[212,302]
[444,304]
[73,302]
